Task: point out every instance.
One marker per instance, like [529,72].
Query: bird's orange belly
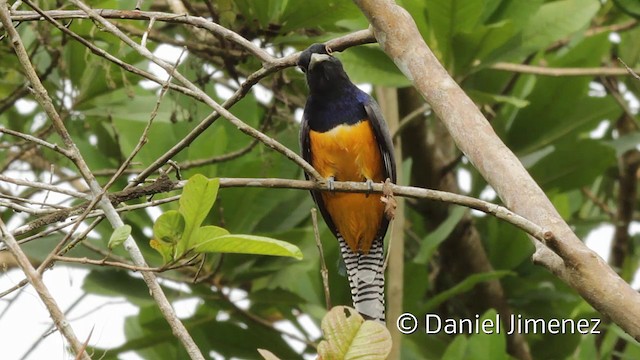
[350,153]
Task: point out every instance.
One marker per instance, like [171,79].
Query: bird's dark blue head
[324,72]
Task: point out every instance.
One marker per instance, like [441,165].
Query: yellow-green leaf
[196,201]
[249,244]
[169,227]
[206,233]
[163,248]
[119,235]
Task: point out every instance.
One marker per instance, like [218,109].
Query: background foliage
[548,121]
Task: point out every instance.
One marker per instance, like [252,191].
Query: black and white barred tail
[366,279]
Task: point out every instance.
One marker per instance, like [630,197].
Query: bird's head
[324,72]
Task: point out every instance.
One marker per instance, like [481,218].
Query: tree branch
[34,277]
[569,259]
[548,71]
[45,101]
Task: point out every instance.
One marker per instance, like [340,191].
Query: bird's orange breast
[350,153]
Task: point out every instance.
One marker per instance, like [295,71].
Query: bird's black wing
[383,137]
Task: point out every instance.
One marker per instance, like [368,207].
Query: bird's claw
[331,183]
[369,183]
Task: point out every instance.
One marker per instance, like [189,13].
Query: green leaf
[313,14]
[435,238]
[568,110]
[206,233]
[249,244]
[482,46]
[556,20]
[119,235]
[369,64]
[507,246]
[169,227]
[488,346]
[450,17]
[196,201]
[166,250]
[490,99]
[456,349]
[631,7]
[462,287]
[348,336]
[573,164]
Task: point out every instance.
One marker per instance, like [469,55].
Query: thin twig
[599,203]
[410,118]
[241,125]
[102,53]
[548,71]
[121,265]
[130,245]
[44,186]
[323,266]
[143,42]
[36,140]
[32,202]
[629,70]
[32,275]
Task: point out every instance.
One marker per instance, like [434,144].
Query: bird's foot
[331,183]
[369,183]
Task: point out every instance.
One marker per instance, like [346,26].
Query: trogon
[345,138]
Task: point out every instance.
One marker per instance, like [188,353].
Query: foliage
[548,122]
[349,336]
[176,233]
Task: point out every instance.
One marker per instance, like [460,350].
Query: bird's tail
[366,279]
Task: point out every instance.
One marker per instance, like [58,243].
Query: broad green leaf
[348,336]
[556,20]
[120,234]
[449,17]
[631,7]
[456,349]
[369,64]
[587,349]
[248,244]
[488,346]
[206,233]
[482,46]
[486,98]
[117,283]
[507,246]
[169,227]
[573,164]
[561,108]
[435,238]
[196,201]
[517,12]
[629,52]
[462,287]
[314,14]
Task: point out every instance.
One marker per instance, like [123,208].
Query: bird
[345,138]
